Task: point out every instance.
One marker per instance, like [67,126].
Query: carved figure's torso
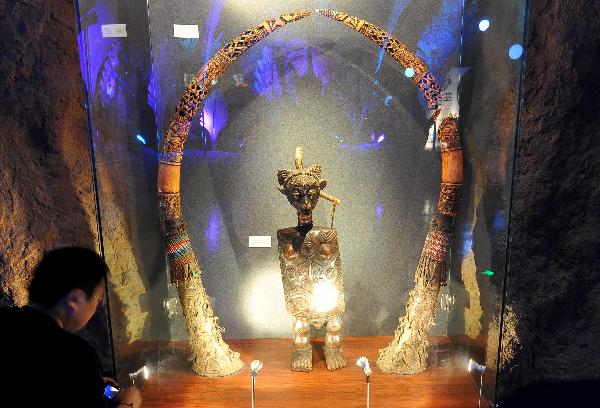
[311,271]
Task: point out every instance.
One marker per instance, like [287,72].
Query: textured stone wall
[46,199]
[552,332]
[46,194]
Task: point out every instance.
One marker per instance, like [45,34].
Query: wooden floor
[172,383]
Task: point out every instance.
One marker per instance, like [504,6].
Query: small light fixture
[409,72]
[255,367]
[515,51]
[475,366]
[144,371]
[484,24]
[363,363]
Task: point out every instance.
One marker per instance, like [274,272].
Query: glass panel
[355,111]
[492,46]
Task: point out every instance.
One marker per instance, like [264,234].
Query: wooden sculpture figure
[311,268]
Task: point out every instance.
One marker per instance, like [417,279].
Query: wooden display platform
[173,384]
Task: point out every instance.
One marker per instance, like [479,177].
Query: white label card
[186,31]
[114,30]
[259,241]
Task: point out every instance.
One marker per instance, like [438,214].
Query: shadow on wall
[48,197]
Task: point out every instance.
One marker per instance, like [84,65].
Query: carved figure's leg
[333,345]
[302,350]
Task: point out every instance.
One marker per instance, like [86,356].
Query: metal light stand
[363,363]
[255,367]
[474,366]
[368,390]
[253,380]
[480,387]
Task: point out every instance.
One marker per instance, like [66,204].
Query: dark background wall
[46,188]
[552,324]
[46,199]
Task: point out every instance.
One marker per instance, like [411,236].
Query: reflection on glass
[310,86]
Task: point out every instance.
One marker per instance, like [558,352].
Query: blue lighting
[440,40]
[399,6]
[388,99]
[499,221]
[189,43]
[140,138]
[467,245]
[380,139]
[379,211]
[110,391]
[409,72]
[212,230]
[211,40]
[515,51]
[266,73]
[484,24]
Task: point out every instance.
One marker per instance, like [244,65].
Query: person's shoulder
[77,355]
[77,344]
[11,315]
[8,312]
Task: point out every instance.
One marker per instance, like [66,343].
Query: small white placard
[259,241]
[186,31]
[114,30]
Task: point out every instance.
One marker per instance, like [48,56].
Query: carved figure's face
[302,188]
[303,196]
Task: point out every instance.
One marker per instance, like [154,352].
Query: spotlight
[475,366]
[363,363]
[143,371]
[515,51]
[409,72]
[255,367]
[484,24]
[140,138]
[380,139]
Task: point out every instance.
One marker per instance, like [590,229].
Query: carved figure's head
[302,188]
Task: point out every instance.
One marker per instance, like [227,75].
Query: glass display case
[196,105]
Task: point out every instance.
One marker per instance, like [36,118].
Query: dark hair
[62,270]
